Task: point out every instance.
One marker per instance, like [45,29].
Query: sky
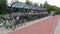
[51,2]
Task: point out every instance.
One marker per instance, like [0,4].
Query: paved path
[46,26]
[57,29]
[3,30]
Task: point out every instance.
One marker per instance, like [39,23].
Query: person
[53,13]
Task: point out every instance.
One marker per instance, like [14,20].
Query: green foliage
[28,2]
[51,8]
[41,5]
[35,4]
[14,1]
[3,6]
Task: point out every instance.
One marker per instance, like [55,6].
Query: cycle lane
[46,26]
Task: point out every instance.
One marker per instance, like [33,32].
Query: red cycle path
[46,26]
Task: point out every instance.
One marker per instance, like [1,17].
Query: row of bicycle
[11,23]
[14,22]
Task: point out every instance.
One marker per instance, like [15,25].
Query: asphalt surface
[3,30]
[47,26]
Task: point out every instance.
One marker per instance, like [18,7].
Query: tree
[14,1]
[51,8]
[3,6]
[36,4]
[28,2]
[46,4]
[41,5]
